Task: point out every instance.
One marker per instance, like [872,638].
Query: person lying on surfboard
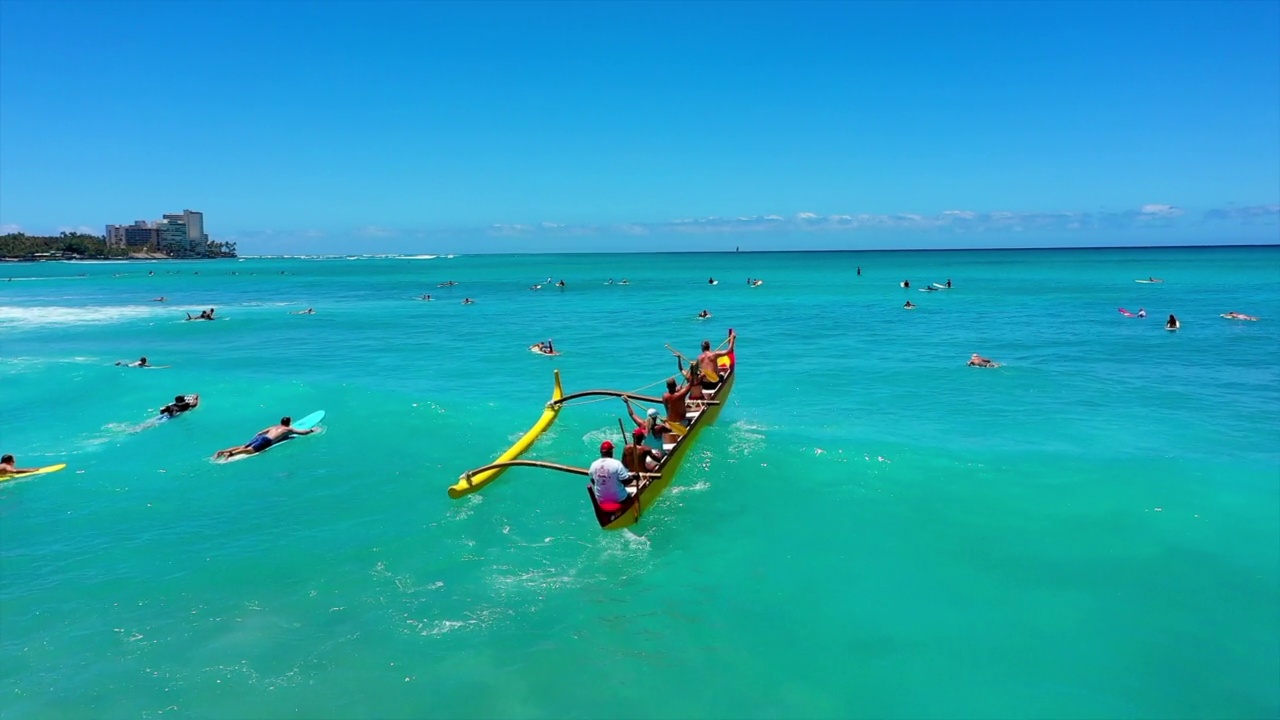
[8,466]
[180,404]
[704,314]
[978,361]
[264,439]
[142,362]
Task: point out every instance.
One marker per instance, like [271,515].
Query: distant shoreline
[139,257]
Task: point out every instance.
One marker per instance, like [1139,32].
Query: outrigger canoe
[648,486]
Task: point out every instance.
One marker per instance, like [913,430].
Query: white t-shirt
[607,476]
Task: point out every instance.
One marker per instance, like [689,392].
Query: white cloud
[807,215]
[374,231]
[8,228]
[1158,210]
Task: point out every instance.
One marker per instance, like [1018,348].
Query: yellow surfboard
[41,471]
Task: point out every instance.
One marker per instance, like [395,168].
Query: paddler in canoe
[676,401]
[639,457]
[710,375]
[655,430]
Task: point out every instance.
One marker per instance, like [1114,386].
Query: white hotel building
[175,234]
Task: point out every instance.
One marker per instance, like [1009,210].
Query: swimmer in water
[704,315]
[159,299]
[9,466]
[1142,313]
[908,305]
[308,311]
[1172,323]
[180,404]
[977,360]
[141,363]
[468,301]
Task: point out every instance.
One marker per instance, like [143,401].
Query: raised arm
[639,421]
[721,353]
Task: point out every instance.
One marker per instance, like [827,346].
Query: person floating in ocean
[1142,313]
[264,439]
[308,311]
[859,271]
[1172,323]
[159,299]
[1233,315]
[468,301]
[906,283]
[545,347]
[948,283]
[151,273]
[535,287]
[625,282]
[180,404]
[610,282]
[425,297]
[638,457]
[204,315]
[560,284]
[141,362]
[711,281]
[908,305]
[977,360]
[609,477]
[704,315]
[750,281]
[8,466]
[1154,279]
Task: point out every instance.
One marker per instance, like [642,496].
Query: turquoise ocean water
[870,529]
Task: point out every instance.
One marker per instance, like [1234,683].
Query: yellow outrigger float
[612,516]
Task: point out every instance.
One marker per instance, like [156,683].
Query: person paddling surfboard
[264,439]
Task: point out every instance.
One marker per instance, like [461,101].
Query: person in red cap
[609,477]
[638,457]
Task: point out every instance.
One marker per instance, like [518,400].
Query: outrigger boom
[611,516]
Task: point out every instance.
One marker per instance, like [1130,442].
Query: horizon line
[757,252]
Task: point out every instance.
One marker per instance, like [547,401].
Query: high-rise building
[178,234]
[141,235]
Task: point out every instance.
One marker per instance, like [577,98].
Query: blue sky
[525,126]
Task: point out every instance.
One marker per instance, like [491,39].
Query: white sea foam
[45,316]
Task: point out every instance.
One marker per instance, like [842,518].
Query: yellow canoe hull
[650,492]
[467,485]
